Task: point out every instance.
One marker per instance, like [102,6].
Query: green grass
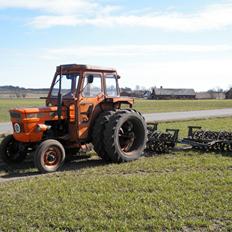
[173,192]
[152,106]
[144,106]
[6,104]
[218,124]
[183,191]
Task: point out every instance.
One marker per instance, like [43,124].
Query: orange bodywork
[77,112]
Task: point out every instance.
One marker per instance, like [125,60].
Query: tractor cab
[82,92]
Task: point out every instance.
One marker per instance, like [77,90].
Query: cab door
[92,94]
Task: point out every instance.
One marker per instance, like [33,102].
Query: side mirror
[70,77]
[118,77]
[90,79]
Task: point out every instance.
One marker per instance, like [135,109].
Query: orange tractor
[83,106]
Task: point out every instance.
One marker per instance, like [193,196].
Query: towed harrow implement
[218,141]
[197,139]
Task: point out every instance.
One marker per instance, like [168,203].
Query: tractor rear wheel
[49,156]
[125,136]
[11,152]
[98,134]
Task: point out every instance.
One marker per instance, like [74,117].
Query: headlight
[17,128]
[42,127]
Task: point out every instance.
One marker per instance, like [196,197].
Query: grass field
[221,124]
[144,106]
[183,191]
[6,104]
[151,106]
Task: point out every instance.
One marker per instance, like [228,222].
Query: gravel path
[178,116]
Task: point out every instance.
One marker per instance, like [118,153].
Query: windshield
[68,85]
[111,85]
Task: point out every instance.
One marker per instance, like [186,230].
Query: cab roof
[83,67]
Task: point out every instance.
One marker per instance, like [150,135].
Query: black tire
[49,156]
[125,136]
[98,134]
[9,151]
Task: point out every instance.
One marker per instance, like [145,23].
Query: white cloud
[52,6]
[94,13]
[198,74]
[131,50]
[215,16]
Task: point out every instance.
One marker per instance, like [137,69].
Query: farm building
[210,95]
[126,92]
[132,93]
[229,94]
[163,93]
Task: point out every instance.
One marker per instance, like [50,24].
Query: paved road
[178,116]
[160,117]
[5,127]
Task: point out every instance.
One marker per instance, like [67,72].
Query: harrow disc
[206,140]
[160,142]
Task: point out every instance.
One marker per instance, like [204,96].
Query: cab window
[111,85]
[68,85]
[92,85]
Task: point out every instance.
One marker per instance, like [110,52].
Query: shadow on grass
[204,152]
[75,163]
[189,151]
[27,168]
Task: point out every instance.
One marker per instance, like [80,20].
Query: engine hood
[32,110]
[40,113]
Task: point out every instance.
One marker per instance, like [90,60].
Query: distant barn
[229,94]
[210,95]
[165,94]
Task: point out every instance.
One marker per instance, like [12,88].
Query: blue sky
[151,43]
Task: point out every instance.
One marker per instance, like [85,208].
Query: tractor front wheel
[49,156]
[11,151]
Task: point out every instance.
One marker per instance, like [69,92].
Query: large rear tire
[98,134]
[10,151]
[49,156]
[125,136]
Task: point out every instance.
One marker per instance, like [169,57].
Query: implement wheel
[10,150]
[125,136]
[49,156]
